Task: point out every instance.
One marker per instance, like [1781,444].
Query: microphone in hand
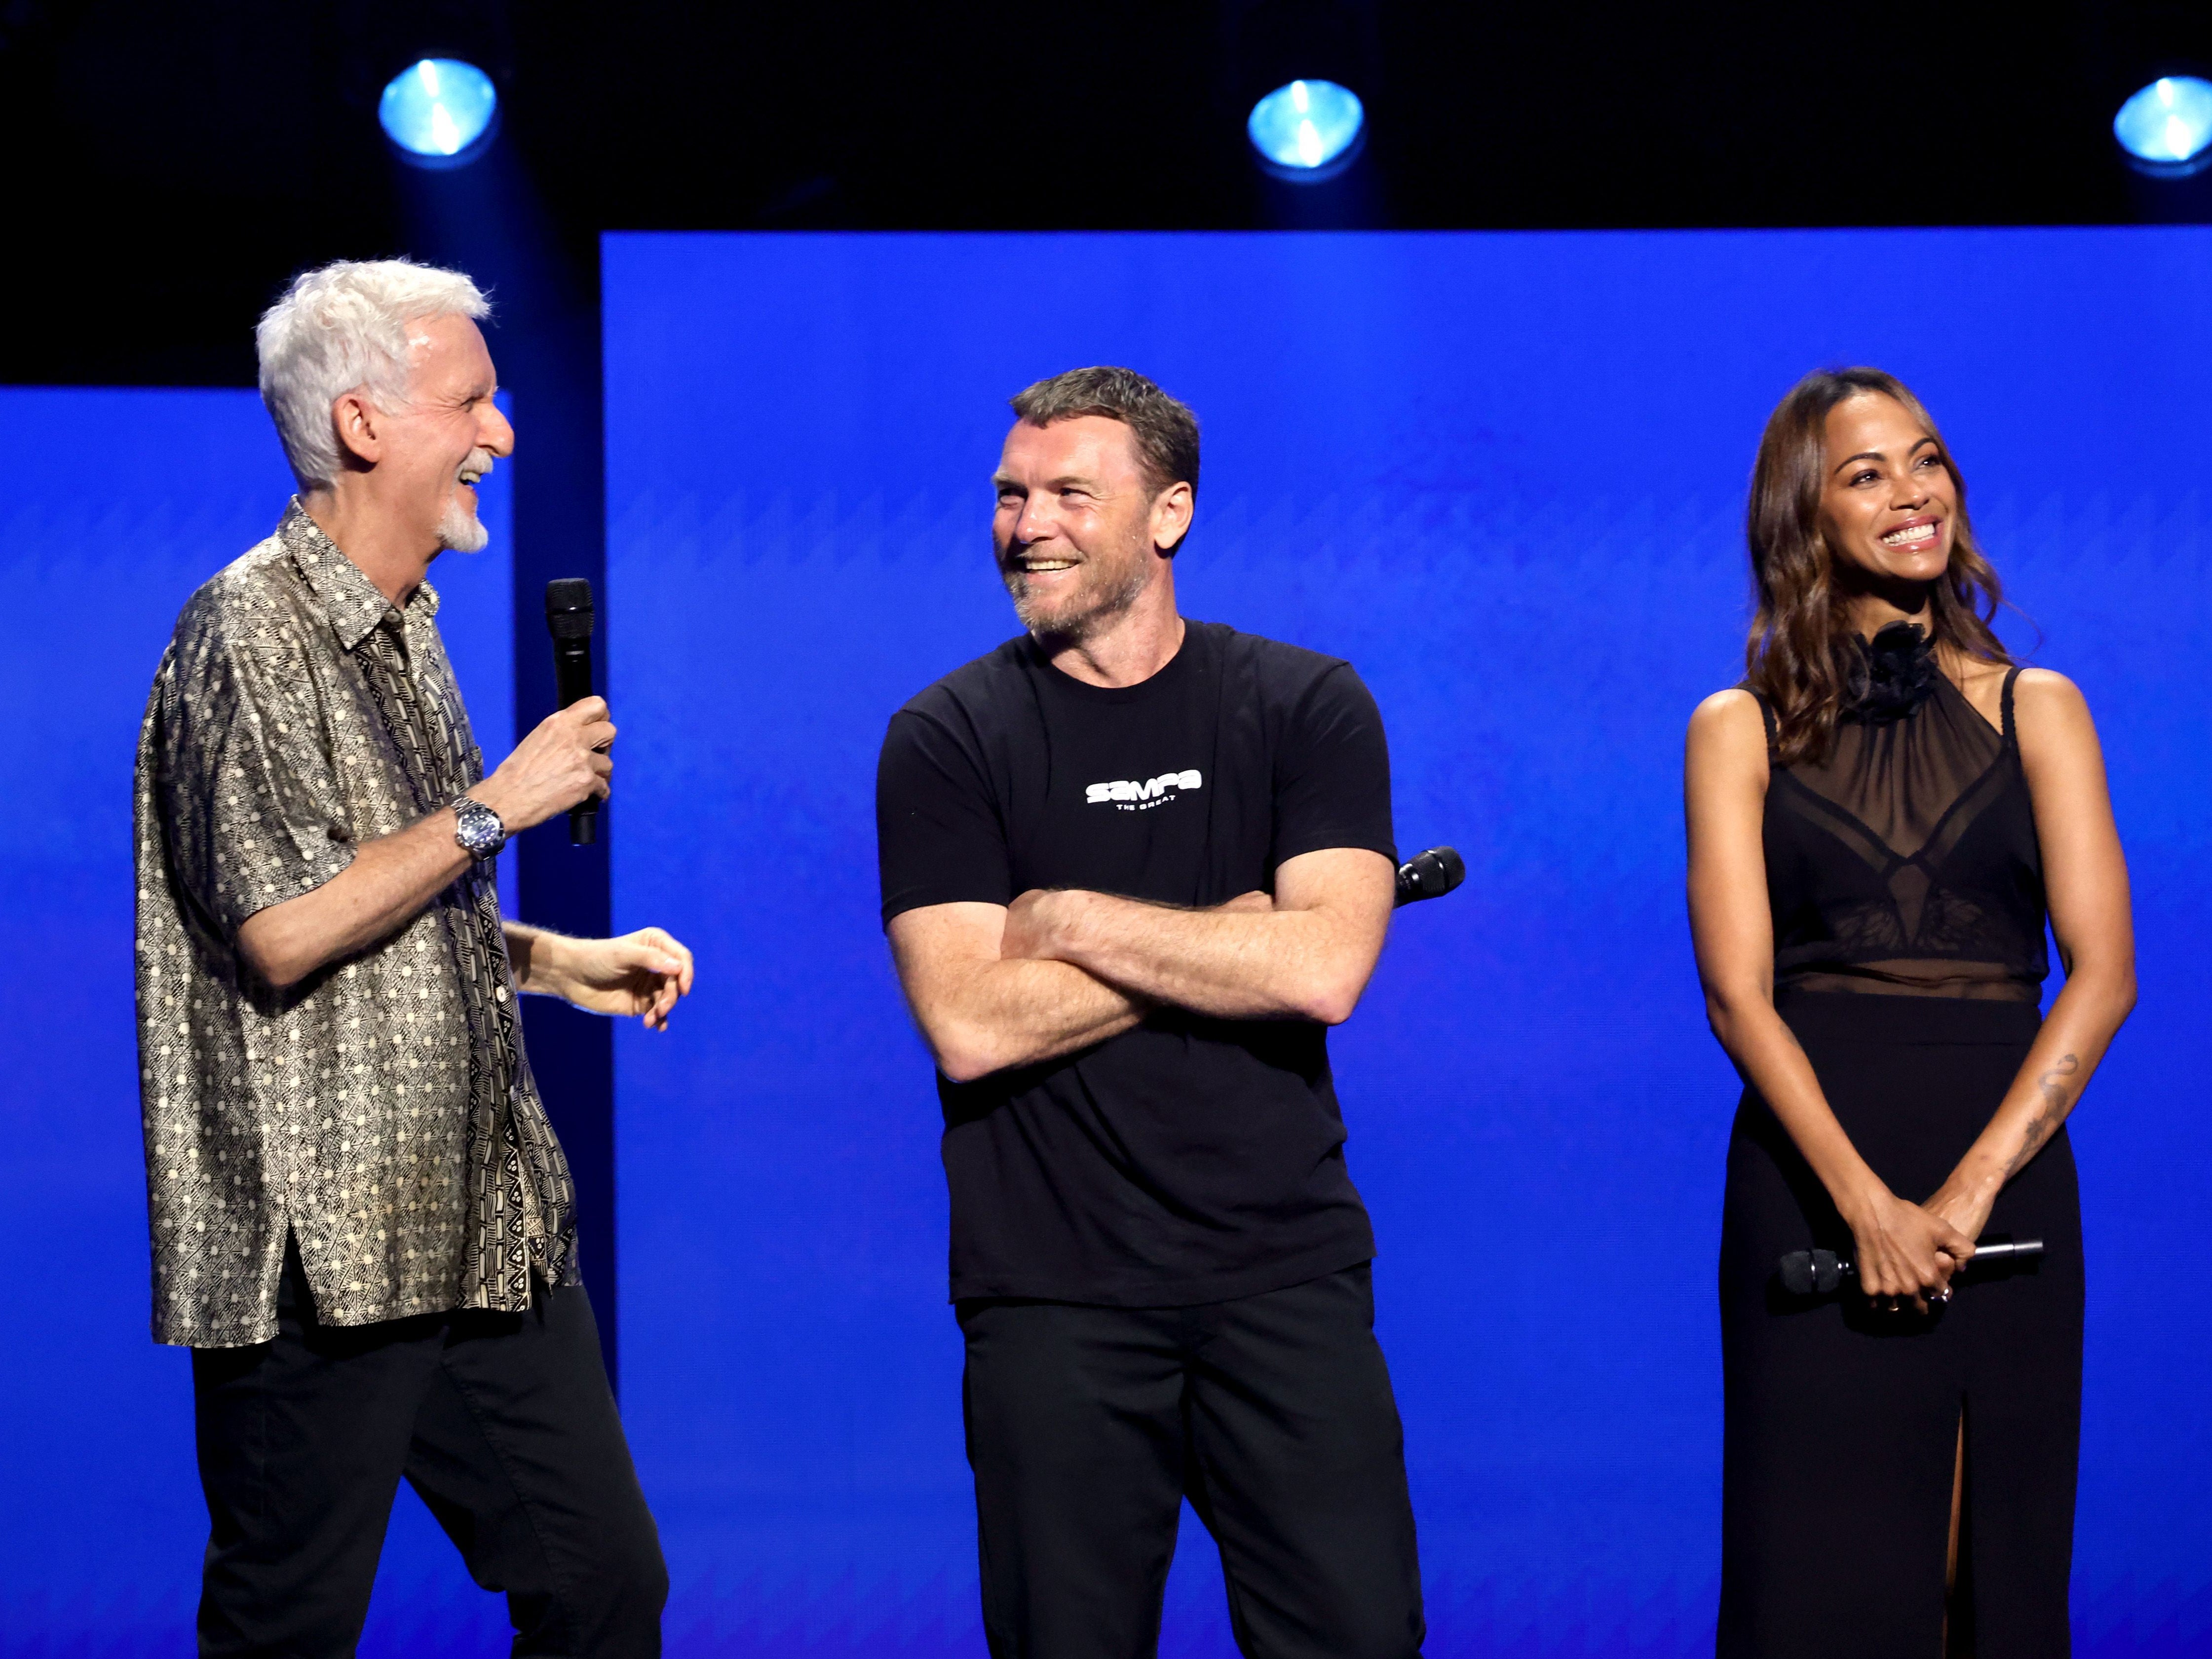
[1819,1273]
[568,618]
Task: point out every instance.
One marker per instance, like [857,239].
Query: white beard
[460,530]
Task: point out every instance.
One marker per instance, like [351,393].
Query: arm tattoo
[2045,1123]
[2054,1092]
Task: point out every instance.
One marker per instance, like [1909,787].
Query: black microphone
[569,619]
[1430,875]
[1816,1273]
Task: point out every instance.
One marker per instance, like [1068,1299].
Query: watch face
[478,829]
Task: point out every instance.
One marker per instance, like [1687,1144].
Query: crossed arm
[996,986]
[1907,1247]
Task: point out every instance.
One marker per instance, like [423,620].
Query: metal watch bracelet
[477,830]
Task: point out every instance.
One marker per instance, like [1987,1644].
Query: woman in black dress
[1880,820]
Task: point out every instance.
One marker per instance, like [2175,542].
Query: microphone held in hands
[1818,1272]
[568,618]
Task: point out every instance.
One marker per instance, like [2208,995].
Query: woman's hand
[1904,1250]
[1963,1203]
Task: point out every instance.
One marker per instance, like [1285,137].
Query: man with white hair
[363,1225]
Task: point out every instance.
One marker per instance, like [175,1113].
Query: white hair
[343,328]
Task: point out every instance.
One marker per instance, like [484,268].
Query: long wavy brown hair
[1804,655]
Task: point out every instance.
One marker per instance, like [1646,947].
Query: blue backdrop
[1504,474]
[114,506]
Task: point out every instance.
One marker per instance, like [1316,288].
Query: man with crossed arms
[1133,868]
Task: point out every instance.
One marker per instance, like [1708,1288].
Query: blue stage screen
[1504,474]
[114,506]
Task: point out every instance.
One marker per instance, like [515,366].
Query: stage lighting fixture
[1308,130]
[2167,128]
[439,112]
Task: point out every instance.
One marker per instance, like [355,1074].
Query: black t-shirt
[1190,1159]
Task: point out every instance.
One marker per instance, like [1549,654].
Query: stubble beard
[1104,595]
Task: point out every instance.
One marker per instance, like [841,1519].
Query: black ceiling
[169,165]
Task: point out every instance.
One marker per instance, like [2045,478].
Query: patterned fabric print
[349,1108]
[512,1209]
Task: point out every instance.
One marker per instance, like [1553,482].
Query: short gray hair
[343,328]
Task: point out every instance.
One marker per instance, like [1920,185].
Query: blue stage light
[1308,130]
[439,112]
[2168,126]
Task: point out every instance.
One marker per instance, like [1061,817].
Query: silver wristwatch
[478,828]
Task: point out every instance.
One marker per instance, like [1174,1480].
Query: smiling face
[1888,503]
[1079,532]
[435,446]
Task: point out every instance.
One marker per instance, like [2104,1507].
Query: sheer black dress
[1907,885]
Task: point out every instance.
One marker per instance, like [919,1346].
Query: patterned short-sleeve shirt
[381,1112]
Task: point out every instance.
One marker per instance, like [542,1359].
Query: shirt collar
[349,598]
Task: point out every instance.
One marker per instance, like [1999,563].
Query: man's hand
[981,1010]
[561,763]
[394,877]
[1255,904]
[644,973]
[1035,919]
[1305,954]
[991,987]
[1031,921]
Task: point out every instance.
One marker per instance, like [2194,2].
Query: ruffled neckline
[1895,673]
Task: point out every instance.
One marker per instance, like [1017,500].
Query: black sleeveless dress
[1907,885]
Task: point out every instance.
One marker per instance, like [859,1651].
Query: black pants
[504,1423]
[1087,1426]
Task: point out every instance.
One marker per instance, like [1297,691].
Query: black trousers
[504,1423]
[1087,1426]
